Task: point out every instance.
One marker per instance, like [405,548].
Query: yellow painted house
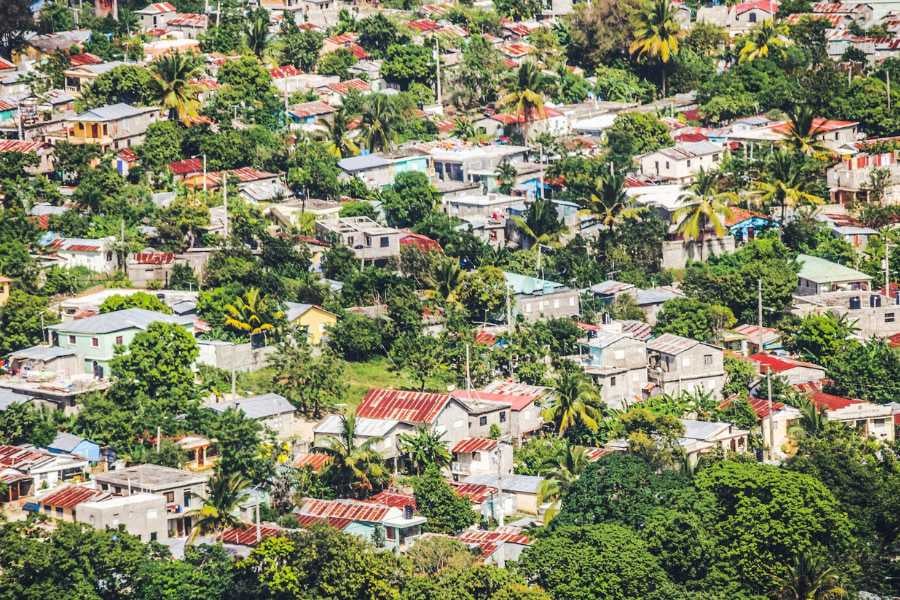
[311,316]
[5,286]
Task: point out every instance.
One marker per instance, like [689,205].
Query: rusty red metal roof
[154,258]
[345,509]
[779,364]
[423,25]
[310,520]
[24,146]
[285,71]
[501,535]
[759,405]
[825,400]
[186,166]
[475,492]
[315,461]
[485,338]
[312,109]
[468,445]
[344,87]
[22,458]
[422,242]
[246,535]
[71,496]
[341,39]
[595,454]
[402,405]
[393,499]
[85,58]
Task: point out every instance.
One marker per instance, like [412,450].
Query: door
[98,370]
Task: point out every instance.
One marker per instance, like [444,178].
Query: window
[476,456]
[385,242]
[612,382]
[753,17]
[689,163]
[503,416]
[119,340]
[889,317]
[95,342]
[71,339]
[667,165]
[170,497]
[482,421]
[187,499]
[153,536]
[707,359]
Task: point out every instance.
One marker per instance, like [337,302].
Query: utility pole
[509,327]
[769,409]
[468,375]
[888,73]
[204,172]
[158,438]
[225,201]
[887,268]
[759,307]
[437,66]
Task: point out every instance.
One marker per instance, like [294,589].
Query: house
[850,180]
[480,456]
[111,127]
[496,546]
[744,225]
[182,491]
[818,275]
[524,401]
[95,338]
[549,121]
[200,451]
[651,300]
[440,411]
[52,375]
[78,77]
[98,255]
[518,493]
[618,363]
[775,420]
[335,92]
[142,515]
[181,302]
[701,437]
[848,228]
[745,15]
[492,205]
[831,132]
[458,161]
[372,169]
[42,150]
[62,503]
[68,443]
[385,432]
[308,115]
[371,243]
[287,79]
[156,15]
[421,242]
[793,371]
[485,418]
[400,526]
[48,44]
[677,364]
[45,469]
[869,419]
[537,299]
[189,25]
[271,410]
[148,266]
[315,319]
[746,339]
[872,313]
[682,162]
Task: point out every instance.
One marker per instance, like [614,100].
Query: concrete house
[525,404]
[45,469]
[112,127]
[493,205]
[372,169]
[98,255]
[872,313]
[78,77]
[744,16]
[156,15]
[62,503]
[143,515]
[793,371]
[440,411]
[848,181]
[701,437]
[371,243]
[869,419]
[464,162]
[537,299]
[315,319]
[818,275]
[95,338]
[182,490]
[485,416]
[480,456]
[677,364]
[272,411]
[384,431]
[401,526]
[681,163]
[618,364]
[68,443]
[518,493]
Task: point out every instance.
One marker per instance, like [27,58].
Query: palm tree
[611,204]
[356,468]
[251,314]
[424,448]
[173,74]
[506,174]
[463,128]
[703,208]
[810,578]
[763,40]
[559,475]
[656,35]
[785,183]
[257,33]
[525,94]
[225,494]
[379,122]
[812,417]
[802,131]
[336,132]
[448,277]
[576,402]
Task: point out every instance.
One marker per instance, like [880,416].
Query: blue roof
[527,285]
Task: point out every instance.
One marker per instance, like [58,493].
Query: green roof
[820,270]
[524,284]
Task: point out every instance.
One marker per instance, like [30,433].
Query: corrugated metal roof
[9,475]
[247,535]
[65,441]
[669,343]
[394,499]
[22,458]
[257,407]
[825,400]
[610,287]
[332,425]
[508,534]
[315,461]
[42,353]
[310,520]
[468,445]
[526,484]
[475,492]
[363,162]
[402,405]
[71,496]
[820,270]
[110,112]
[136,318]
[345,509]
[23,146]
[779,364]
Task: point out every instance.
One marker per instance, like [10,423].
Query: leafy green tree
[175,91]
[424,448]
[337,63]
[377,33]
[320,562]
[418,355]
[576,402]
[762,40]
[601,32]
[599,562]
[129,84]
[695,319]
[559,475]
[446,511]
[310,382]
[480,74]
[524,94]
[681,543]
[531,457]
[161,146]
[868,371]
[764,518]
[518,10]
[256,32]
[225,493]
[206,573]
[620,85]
[238,440]
[247,91]
[739,375]
[433,554]
[481,582]
[380,121]
[25,423]
[339,263]
[656,36]
[409,199]
[407,64]
[22,319]
[636,133]
[55,16]
[299,47]
[356,337]
[253,314]
[818,338]
[483,292]
[136,300]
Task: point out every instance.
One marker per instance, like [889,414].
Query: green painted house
[95,338]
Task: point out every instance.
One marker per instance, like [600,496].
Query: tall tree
[252,314]
[656,36]
[357,468]
[525,94]
[173,74]
[224,495]
[380,121]
[784,183]
[803,131]
[336,133]
[764,39]
[256,32]
[423,448]
[576,401]
[559,474]
[703,209]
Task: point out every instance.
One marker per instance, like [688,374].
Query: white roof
[331,425]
